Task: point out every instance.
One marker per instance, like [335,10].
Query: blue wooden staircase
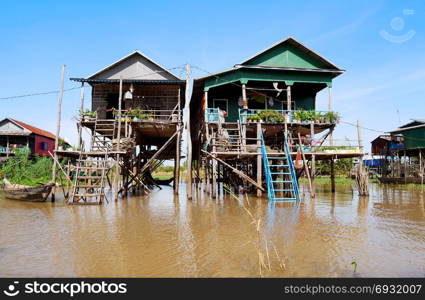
[281,179]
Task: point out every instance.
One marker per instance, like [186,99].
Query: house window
[222,104]
[44,146]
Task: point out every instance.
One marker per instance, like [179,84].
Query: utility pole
[58,128]
[188,139]
[117,166]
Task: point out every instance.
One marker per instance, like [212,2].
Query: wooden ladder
[89,181]
[103,133]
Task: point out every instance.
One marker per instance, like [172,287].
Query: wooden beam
[259,160]
[332,175]
[288,98]
[177,158]
[157,153]
[117,165]
[236,171]
[312,191]
[80,127]
[244,98]
[58,128]
[189,137]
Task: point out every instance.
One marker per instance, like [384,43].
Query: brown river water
[164,236]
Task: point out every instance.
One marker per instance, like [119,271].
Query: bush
[20,169]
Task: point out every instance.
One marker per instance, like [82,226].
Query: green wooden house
[253,116]
[286,70]
[413,134]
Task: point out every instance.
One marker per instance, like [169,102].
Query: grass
[162,175]
[327,180]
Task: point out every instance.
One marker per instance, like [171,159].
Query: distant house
[413,134]
[383,144]
[18,135]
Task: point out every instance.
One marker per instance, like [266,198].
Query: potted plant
[316,117]
[269,115]
[253,119]
[331,117]
[88,114]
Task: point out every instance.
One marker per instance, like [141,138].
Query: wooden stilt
[214,174]
[234,170]
[177,159]
[313,157]
[58,128]
[312,191]
[117,165]
[332,174]
[259,159]
[189,138]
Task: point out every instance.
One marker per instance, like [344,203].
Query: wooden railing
[163,115]
[7,150]
[151,115]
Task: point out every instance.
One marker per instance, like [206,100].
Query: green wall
[286,55]
[414,138]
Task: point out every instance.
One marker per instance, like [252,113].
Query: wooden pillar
[330,98]
[80,127]
[420,161]
[58,127]
[259,160]
[189,138]
[214,173]
[245,106]
[117,165]
[359,137]
[288,98]
[177,158]
[405,166]
[207,175]
[244,98]
[332,175]
[7,146]
[313,157]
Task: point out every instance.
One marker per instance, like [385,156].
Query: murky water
[163,236]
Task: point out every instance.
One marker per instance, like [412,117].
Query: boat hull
[27,193]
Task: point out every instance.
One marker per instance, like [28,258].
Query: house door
[222,104]
[112,100]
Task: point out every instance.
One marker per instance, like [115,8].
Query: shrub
[20,169]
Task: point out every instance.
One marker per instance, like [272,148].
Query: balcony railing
[141,115]
[288,116]
[214,115]
[151,115]
[6,150]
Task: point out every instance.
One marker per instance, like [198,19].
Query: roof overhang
[149,81]
[407,128]
[15,133]
[336,71]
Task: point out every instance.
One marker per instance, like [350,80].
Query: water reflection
[163,235]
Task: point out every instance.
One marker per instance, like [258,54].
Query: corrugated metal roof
[407,128]
[128,56]
[153,81]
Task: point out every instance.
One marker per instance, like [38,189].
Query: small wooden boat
[27,193]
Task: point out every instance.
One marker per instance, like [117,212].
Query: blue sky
[381,44]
